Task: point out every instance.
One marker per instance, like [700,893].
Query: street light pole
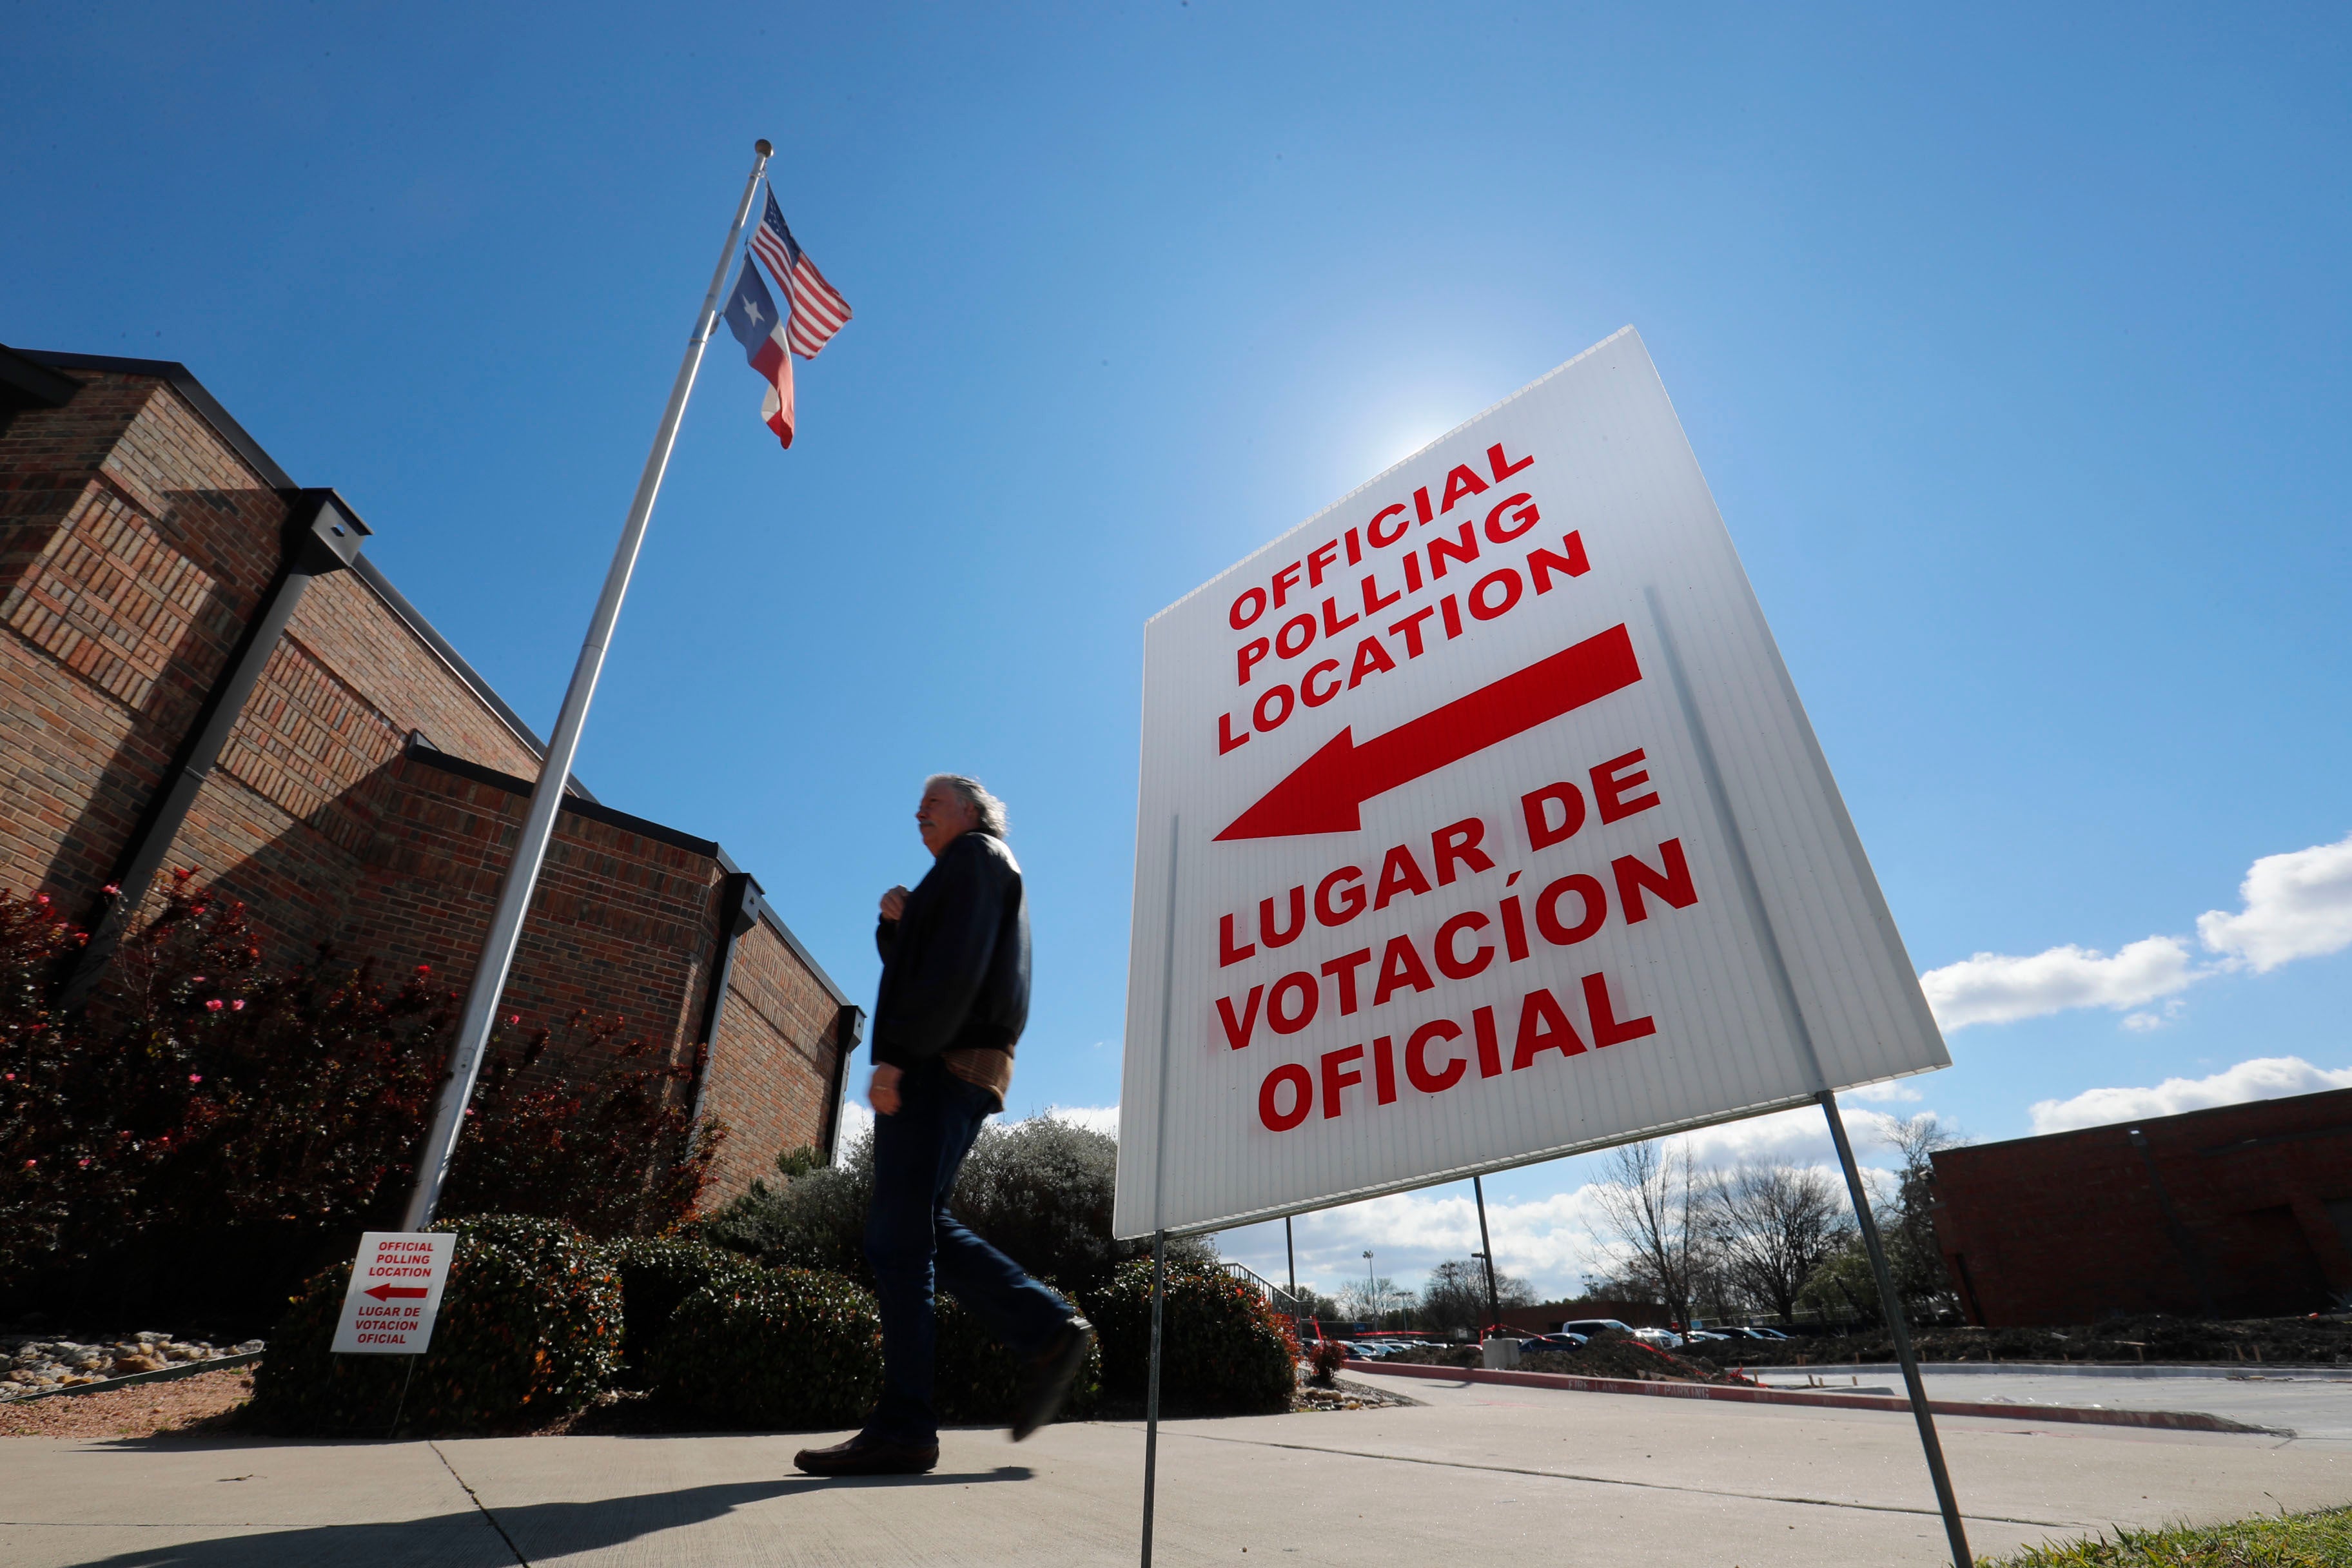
[1493,1301]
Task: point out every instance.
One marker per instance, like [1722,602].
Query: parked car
[1590,1326]
[1753,1331]
[1702,1335]
[1559,1341]
[1664,1339]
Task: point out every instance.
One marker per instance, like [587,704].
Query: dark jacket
[955,964]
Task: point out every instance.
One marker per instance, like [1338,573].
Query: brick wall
[775,1074]
[134,546]
[2243,1211]
[137,539]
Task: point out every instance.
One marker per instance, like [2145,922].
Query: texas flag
[753,317]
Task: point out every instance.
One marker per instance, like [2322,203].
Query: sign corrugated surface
[1509,839]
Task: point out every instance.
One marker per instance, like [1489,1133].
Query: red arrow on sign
[386,1292]
[1321,795]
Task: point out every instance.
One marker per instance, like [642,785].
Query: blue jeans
[911,1237]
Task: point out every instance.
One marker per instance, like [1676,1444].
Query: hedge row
[536,1319]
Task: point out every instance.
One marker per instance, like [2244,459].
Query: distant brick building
[199,667]
[2239,1212]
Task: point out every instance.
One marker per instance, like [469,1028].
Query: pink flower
[83,1163]
[30,1164]
[236,1006]
[110,891]
[10,1077]
[512,1019]
[196,980]
[195,1078]
[214,1006]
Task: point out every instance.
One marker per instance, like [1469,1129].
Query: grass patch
[2317,1540]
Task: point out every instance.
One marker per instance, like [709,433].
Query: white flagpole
[555,768]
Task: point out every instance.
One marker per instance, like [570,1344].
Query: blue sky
[2014,346]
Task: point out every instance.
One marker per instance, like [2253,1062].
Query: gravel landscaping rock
[43,1365]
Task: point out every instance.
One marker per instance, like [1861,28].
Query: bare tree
[1370,1301]
[1914,1256]
[1651,1205]
[1455,1294]
[1771,1226]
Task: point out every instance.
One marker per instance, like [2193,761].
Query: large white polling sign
[1480,823]
[394,1293]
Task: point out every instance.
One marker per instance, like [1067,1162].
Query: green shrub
[976,1379]
[529,1331]
[656,1274]
[780,1348]
[1224,1350]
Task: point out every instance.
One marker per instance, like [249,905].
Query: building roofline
[595,811]
[184,383]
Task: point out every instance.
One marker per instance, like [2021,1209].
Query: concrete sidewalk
[1477,1474]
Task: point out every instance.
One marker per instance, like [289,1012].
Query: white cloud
[1893,1091]
[1103,1118]
[2298,905]
[2264,1078]
[2155,1018]
[857,1121]
[1996,988]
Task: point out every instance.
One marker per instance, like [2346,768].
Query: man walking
[953,999]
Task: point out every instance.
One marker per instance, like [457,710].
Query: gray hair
[975,795]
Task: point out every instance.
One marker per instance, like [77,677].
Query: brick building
[199,666]
[2239,1212]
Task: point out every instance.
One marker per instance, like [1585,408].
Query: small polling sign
[395,1294]
[1480,823]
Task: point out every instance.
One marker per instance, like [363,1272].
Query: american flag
[817,310]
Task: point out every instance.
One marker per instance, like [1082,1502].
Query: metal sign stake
[1953,1529]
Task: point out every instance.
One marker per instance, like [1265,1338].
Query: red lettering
[1305,626]
[1610,783]
[1542,563]
[1451,613]
[1246,657]
[1273,935]
[1400,873]
[1412,573]
[1515,930]
[1499,469]
[1457,844]
[1673,883]
[1226,739]
[1355,549]
[1239,1030]
[1421,504]
[1463,551]
[1320,559]
[1409,628]
[1384,1070]
[1283,582]
[1373,529]
[1373,602]
[1334,1080]
[1302,1091]
[1606,1030]
[1229,951]
[1490,1047]
[1255,599]
[1343,969]
[1301,984]
[1332,624]
[1543,1027]
[1536,806]
[1460,482]
[1401,966]
[1267,699]
[1468,968]
[1483,605]
[1527,517]
[1306,692]
[1371,659]
[1596,909]
[1416,1058]
[1350,902]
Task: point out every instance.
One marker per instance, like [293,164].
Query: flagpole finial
[763,147]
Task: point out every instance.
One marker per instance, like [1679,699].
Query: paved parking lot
[1475,1473]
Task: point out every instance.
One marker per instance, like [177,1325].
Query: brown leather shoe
[863,1457]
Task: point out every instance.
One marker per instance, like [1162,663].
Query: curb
[163,1374]
[2165,1420]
